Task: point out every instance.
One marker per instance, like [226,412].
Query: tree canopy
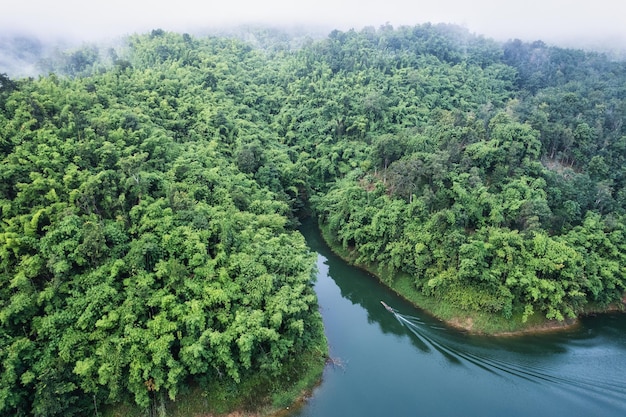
[150,198]
[147,233]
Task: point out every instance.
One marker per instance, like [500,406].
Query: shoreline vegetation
[253,397]
[474,322]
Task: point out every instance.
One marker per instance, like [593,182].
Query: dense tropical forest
[151,195]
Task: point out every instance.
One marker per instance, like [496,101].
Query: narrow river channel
[410,364]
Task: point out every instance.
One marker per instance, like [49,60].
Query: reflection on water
[409,364]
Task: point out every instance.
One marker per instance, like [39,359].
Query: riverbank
[253,396]
[475,322]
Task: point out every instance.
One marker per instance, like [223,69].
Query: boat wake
[498,362]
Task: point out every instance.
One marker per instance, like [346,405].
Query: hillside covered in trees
[151,194]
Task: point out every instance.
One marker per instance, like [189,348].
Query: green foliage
[479,190]
[138,255]
[149,200]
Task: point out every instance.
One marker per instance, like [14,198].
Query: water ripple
[513,366]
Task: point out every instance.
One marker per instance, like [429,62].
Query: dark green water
[411,365]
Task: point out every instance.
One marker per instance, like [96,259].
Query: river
[409,364]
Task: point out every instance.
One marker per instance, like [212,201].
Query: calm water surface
[412,365]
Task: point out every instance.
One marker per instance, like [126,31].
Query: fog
[555,21]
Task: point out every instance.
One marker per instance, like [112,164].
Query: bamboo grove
[151,193]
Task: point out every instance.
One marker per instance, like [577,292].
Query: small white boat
[389,309]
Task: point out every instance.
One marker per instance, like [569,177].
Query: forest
[151,195]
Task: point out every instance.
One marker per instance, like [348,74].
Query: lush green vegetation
[491,174]
[147,239]
[150,198]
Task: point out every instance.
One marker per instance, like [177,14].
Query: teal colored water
[409,364]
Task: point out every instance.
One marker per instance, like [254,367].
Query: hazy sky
[550,20]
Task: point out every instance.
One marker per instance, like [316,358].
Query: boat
[389,309]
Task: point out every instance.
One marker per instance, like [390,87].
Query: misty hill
[26,55]
[151,195]
[20,55]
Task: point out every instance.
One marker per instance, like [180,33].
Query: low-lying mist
[34,33]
